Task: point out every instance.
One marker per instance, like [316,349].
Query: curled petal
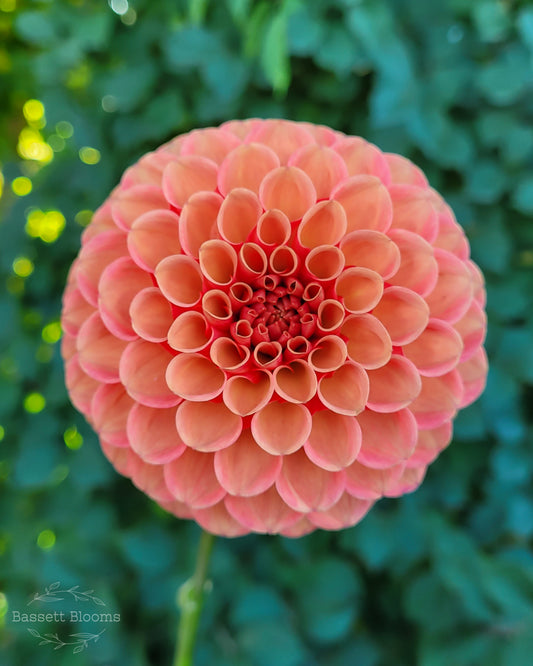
[198,221]
[190,332]
[452,295]
[109,409]
[281,428]
[334,441]
[404,314]
[345,391]
[371,249]
[367,483]
[76,310]
[394,385]
[439,400]
[282,136]
[241,331]
[265,513]
[253,261]
[472,328]
[142,371]
[404,172]
[240,294]
[360,289]
[216,305]
[194,377]
[347,512]
[151,315]
[430,443]
[418,269]
[323,224]
[367,341]
[328,354]
[99,352]
[152,434]
[268,355]
[474,375]
[94,257]
[362,157]
[297,347]
[437,349]
[191,479]
[180,279]
[330,316]
[413,210]
[228,355]
[247,394]
[295,382]
[207,426]
[273,229]
[244,469]
[313,294]
[246,166]
[218,262]
[323,165]
[288,189]
[388,439]
[306,487]
[238,215]
[283,261]
[366,202]
[81,386]
[217,520]
[324,263]
[210,142]
[186,176]
[154,236]
[128,205]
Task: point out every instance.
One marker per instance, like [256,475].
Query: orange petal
[283,136]
[186,176]
[101,221]
[322,224]
[439,399]
[218,262]
[288,189]
[281,428]
[437,349]
[81,386]
[334,441]
[238,215]
[295,382]
[252,261]
[190,332]
[299,529]
[240,128]
[94,257]
[284,261]
[430,443]
[217,520]
[142,371]
[247,394]
[198,221]
[194,377]
[452,295]
[76,310]
[148,170]
[128,205]
[388,439]
[367,341]
[362,157]
[151,315]
[347,512]
[268,355]
[154,236]
[191,479]
[366,202]
[273,228]
[99,352]
[207,426]
[404,314]
[345,391]
[109,410]
[368,483]
[330,316]
[418,269]
[244,469]
[246,166]
[413,210]
[150,479]
[152,434]
[404,172]
[240,294]
[228,355]
[216,305]
[306,487]
[409,481]
[360,289]
[324,263]
[180,279]
[323,165]
[394,385]
[328,354]
[266,513]
[211,142]
[472,328]
[371,249]
[474,376]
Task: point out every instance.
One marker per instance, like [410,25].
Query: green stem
[190,600]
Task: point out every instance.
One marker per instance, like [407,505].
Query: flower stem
[190,600]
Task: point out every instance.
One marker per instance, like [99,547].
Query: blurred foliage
[440,578]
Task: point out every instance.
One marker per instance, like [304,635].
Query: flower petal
[371,249]
[430,443]
[323,165]
[437,349]
[190,332]
[413,210]
[439,400]
[367,341]
[366,202]
[360,289]
[246,166]
[99,352]
[367,483]
[281,428]
[345,391]
[266,513]
[152,434]
[283,136]
[154,236]
[151,315]
[186,176]
[217,520]
[362,157]
[328,354]
[247,394]
[273,229]
[288,189]
[334,441]
[207,426]
[388,439]
[129,204]
[418,269]
[198,221]
[404,172]
[322,224]
[474,375]
[218,262]
[346,512]
[238,215]
[180,279]
[394,385]
[191,479]
[194,377]
[404,314]
[324,263]
[452,295]
[109,409]
[94,257]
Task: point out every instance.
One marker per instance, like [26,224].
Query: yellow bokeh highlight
[46,539]
[34,402]
[8,5]
[64,129]
[21,186]
[33,111]
[89,155]
[2,433]
[23,267]
[73,439]
[46,226]
[51,333]
[32,146]
[83,217]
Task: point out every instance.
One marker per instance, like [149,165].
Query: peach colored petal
[388,439]
[142,371]
[246,166]
[313,294]
[328,354]
[452,295]
[190,332]
[273,229]
[244,469]
[210,142]
[240,128]
[252,261]
[217,520]
[404,314]
[299,529]
[478,283]
[404,172]
[151,315]
[125,461]
[297,347]
[179,509]
[81,386]
[198,221]
[228,355]
[451,237]
[95,255]
[283,136]
[266,513]
[281,428]
[101,221]
[409,481]
[150,479]
[371,249]
[345,391]
[154,236]
[180,279]
[67,346]
[152,434]
[216,306]
[367,341]
[207,426]
[238,215]
[437,349]
[366,202]
[194,377]
[474,375]
[306,487]
[439,399]
[288,189]
[430,443]
[148,170]
[76,310]
[247,394]
[284,261]
[347,512]
[413,210]
[128,205]
[323,135]
[268,355]
[334,441]
[191,479]
[323,224]
[323,165]
[330,316]
[472,328]
[295,382]
[240,294]
[360,289]
[362,157]
[394,385]
[109,410]
[418,269]
[186,176]
[324,263]
[218,262]
[368,483]
[99,352]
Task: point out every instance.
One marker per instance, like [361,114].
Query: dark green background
[443,577]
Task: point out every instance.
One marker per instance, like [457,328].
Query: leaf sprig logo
[80,642]
[52,592]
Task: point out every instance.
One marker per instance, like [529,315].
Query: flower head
[271,325]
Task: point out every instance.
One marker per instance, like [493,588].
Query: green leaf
[275,54]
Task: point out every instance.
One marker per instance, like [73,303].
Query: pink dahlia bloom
[271,325]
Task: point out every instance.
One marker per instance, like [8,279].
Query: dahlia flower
[271,325]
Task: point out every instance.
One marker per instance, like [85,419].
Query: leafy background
[443,577]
